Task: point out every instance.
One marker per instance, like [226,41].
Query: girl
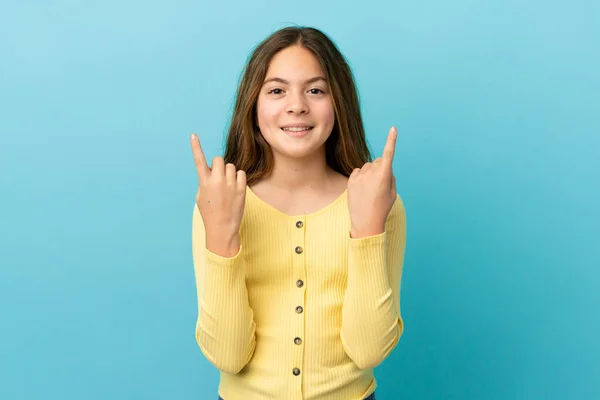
[298,236]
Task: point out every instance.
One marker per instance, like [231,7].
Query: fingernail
[193,136]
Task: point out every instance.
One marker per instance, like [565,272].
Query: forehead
[294,62]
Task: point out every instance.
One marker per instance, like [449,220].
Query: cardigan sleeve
[371,319]
[225,327]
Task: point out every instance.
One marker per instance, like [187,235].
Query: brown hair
[346,148]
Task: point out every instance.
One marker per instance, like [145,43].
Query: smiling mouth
[297,129]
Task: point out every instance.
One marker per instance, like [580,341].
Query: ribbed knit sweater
[303,310]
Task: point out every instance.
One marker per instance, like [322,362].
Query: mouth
[297,130]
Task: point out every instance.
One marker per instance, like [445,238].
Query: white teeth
[293,129]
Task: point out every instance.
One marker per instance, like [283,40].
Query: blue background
[497,105]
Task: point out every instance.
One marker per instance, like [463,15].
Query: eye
[274,91]
[316,91]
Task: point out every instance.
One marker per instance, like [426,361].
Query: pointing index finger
[390,145]
[201,166]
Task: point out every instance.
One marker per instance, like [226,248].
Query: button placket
[299,288]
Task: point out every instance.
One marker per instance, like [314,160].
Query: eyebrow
[280,80]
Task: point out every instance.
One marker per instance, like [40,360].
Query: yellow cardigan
[302,311]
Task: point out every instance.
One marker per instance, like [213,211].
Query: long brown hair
[346,148]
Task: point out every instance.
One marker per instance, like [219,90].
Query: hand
[372,192]
[220,198]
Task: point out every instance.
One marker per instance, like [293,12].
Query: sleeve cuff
[367,261]
[215,259]
[368,241]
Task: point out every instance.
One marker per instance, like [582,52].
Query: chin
[298,152]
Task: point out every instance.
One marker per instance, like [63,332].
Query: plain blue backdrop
[497,105]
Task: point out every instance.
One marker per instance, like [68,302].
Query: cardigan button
[299,224]
[298,250]
[298,341]
[299,283]
[296,371]
[299,309]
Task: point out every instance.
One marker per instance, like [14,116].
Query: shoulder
[399,204]
[397,214]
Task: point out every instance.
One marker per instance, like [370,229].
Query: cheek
[266,113]
[327,113]
[331,115]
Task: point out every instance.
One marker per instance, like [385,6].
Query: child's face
[294,98]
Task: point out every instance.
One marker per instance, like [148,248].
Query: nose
[296,104]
